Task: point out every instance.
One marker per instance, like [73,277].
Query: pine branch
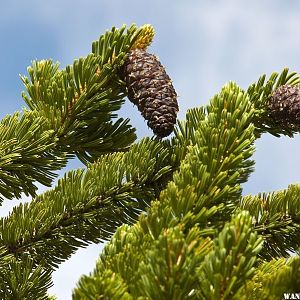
[86,206]
[18,283]
[213,146]
[260,93]
[205,189]
[72,112]
[219,161]
[28,154]
[79,101]
[169,268]
[111,285]
[147,268]
[277,219]
[231,261]
[272,280]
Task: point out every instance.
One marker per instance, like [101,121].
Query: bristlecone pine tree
[171,209]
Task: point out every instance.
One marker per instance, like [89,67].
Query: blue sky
[203,45]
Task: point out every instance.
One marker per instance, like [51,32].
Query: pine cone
[150,88]
[284,106]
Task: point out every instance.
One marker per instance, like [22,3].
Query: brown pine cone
[150,88]
[284,106]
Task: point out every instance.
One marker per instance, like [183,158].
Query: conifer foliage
[171,210]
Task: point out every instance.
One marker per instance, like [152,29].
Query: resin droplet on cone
[150,88]
[284,106]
